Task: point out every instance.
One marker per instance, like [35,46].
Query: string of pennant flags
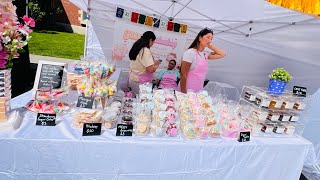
[150,21]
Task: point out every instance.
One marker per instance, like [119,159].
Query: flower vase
[276,86]
[5,93]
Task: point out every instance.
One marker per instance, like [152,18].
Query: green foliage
[280,74]
[35,11]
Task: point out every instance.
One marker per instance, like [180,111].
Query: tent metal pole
[87,28]
[148,8]
[27,8]
[237,21]
[283,26]
[211,18]
[182,8]
[173,3]
[222,31]
[180,19]
[163,14]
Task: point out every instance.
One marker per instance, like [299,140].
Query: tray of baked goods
[270,123]
[271,114]
[286,102]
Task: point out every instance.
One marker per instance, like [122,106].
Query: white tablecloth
[60,152]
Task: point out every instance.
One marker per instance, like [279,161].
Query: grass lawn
[56,44]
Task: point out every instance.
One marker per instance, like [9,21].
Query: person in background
[142,65]
[167,78]
[194,65]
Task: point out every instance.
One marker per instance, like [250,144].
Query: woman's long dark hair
[141,43]
[202,33]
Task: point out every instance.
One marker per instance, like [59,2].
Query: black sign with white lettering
[51,74]
[124,130]
[44,119]
[300,91]
[85,102]
[91,129]
[244,136]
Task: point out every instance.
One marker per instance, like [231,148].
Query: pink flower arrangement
[13,35]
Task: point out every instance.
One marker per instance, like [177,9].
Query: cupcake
[172,130]
[156,130]
[215,130]
[203,133]
[200,122]
[171,119]
[110,124]
[142,129]
[189,131]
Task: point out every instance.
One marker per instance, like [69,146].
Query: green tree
[35,11]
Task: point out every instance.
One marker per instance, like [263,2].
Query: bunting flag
[184,28]
[176,27]
[156,22]
[127,15]
[119,12]
[163,24]
[170,26]
[142,19]
[134,17]
[149,21]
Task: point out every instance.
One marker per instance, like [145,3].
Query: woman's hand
[157,63]
[217,53]
[153,67]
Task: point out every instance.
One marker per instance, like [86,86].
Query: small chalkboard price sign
[244,136]
[91,129]
[49,74]
[300,91]
[44,119]
[85,102]
[124,130]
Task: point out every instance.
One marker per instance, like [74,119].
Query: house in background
[72,18]
[58,13]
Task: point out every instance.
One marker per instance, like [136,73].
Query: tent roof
[273,29]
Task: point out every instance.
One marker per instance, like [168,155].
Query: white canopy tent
[256,35]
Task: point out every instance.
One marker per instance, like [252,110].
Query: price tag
[300,91]
[244,136]
[44,119]
[85,102]
[50,75]
[91,129]
[124,130]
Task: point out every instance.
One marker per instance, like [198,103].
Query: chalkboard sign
[49,74]
[44,119]
[91,129]
[85,102]
[300,91]
[244,136]
[124,130]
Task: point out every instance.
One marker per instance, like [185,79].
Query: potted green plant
[278,80]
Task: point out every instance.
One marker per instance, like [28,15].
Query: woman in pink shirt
[194,65]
